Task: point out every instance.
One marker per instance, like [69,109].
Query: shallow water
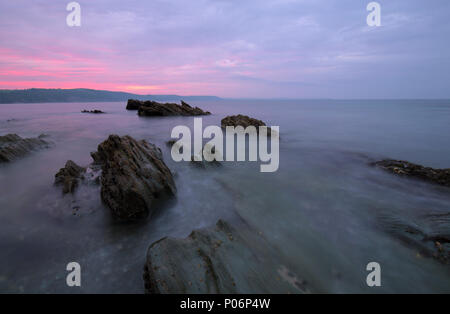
[321,210]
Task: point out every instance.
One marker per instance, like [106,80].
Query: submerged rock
[12,146]
[93,111]
[223,259]
[208,156]
[428,234]
[134,176]
[153,108]
[407,169]
[69,176]
[204,163]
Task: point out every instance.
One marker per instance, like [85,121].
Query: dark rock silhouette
[134,104]
[153,108]
[93,111]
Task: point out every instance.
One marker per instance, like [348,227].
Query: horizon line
[230,98]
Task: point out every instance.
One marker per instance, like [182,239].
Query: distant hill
[38,95]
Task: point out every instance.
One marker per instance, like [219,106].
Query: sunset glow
[257,49]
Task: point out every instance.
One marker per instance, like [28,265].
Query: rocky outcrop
[134,176]
[223,259]
[13,146]
[153,108]
[134,104]
[410,170]
[69,176]
[244,121]
[93,111]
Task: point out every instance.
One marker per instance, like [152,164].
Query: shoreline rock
[410,170]
[13,147]
[134,176]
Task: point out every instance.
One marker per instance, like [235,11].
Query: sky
[230,48]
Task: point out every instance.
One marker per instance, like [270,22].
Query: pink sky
[273,48]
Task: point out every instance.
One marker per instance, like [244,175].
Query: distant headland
[41,95]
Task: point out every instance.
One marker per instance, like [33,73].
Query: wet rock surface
[153,108]
[410,170]
[69,176]
[222,259]
[134,176]
[13,147]
[428,234]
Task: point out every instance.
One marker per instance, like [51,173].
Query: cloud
[248,49]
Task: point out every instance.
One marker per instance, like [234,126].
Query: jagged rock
[134,176]
[223,259]
[153,108]
[69,176]
[93,111]
[407,169]
[13,146]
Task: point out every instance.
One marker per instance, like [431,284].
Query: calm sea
[324,208]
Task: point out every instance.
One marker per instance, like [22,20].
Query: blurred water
[320,210]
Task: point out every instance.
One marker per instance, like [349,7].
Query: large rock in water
[13,146]
[218,260]
[153,108]
[134,176]
[407,169]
